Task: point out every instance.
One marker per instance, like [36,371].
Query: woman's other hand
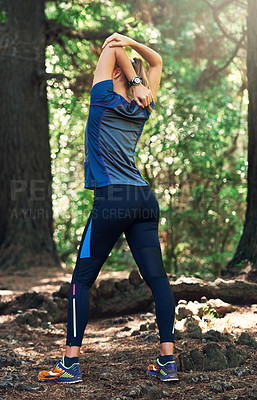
[117,40]
[142,95]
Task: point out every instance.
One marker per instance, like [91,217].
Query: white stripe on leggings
[173,330]
[74,318]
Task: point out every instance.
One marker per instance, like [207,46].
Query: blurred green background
[193,150]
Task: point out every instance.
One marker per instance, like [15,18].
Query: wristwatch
[135,81]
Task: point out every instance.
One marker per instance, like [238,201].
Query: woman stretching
[123,200]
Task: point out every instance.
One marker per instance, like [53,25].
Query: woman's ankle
[72,351]
[167,348]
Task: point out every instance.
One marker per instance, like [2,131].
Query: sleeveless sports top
[112,131]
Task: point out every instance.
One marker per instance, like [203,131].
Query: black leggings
[133,210]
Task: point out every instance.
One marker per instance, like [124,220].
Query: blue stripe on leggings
[85,251]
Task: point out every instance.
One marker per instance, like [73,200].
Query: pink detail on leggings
[73,289]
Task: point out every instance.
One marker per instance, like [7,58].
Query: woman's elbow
[157,61]
[160,59]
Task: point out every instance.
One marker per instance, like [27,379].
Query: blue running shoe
[60,373]
[166,372]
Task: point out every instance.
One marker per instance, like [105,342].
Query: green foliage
[211,312]
[242,263]
[3,16]
[199,174]
[193,149]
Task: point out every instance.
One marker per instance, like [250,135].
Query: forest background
[193,150]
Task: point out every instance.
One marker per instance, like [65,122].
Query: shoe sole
[163,379]
[173,378]
[53,380]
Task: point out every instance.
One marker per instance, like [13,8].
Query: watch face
[137,80]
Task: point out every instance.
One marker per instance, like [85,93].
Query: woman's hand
[142,95]
[117,40]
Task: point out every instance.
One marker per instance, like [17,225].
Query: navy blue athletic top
[113,128]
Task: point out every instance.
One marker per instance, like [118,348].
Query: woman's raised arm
[118,40]
[105,66]
[152,57]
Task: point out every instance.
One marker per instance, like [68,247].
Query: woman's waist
[109,190]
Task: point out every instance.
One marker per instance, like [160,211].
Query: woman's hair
[140,70]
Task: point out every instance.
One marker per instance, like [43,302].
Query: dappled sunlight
[187,150]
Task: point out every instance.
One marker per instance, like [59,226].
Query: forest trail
[116,352]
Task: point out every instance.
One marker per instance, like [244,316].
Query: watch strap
[133,81]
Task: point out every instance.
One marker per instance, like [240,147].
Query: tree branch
[66,51]
[223,30]
[44,76]
[216,10]
[223,4]
[231,58]
[217,71]
[54,30]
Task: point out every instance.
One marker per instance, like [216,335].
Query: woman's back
[113,129]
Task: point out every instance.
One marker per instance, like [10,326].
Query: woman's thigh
[110,216]
[143,238]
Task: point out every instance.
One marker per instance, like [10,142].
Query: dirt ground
[113,361]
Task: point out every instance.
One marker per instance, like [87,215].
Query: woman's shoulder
[102,92]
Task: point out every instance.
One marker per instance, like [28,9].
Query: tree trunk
[247,248]
[26,229]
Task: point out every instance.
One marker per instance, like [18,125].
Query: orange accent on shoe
[52,374]
[154,367]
